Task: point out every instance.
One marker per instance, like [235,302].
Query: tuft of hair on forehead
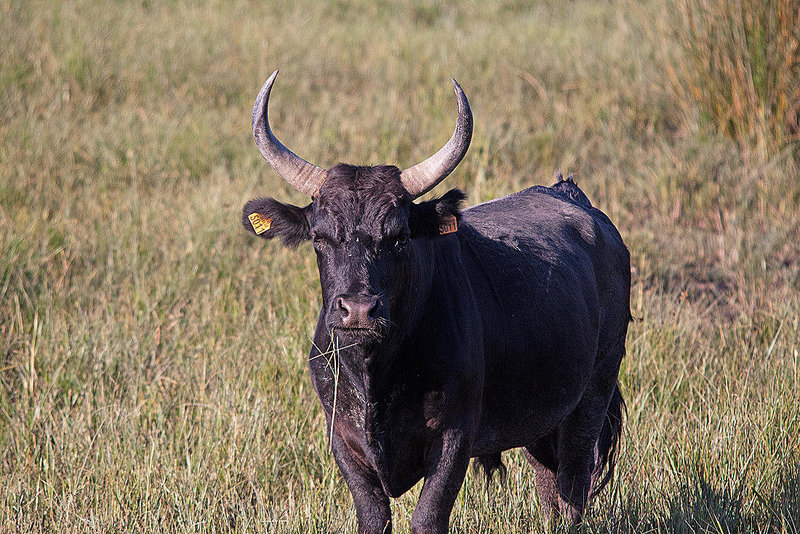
[364,181]
[368,198]
[362,190]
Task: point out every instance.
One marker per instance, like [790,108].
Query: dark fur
[507,333]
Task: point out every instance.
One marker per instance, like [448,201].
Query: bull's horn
[302,175]
[424,176]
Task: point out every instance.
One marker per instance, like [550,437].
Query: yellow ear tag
[260,223]
[448,226]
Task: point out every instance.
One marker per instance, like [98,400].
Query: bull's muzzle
[356,311]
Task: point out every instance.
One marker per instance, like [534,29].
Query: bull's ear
[437,217]
[268,218]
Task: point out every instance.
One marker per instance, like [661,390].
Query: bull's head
[369,235]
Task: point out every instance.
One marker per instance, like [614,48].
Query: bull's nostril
[343,308]
[372,313]
[356,310]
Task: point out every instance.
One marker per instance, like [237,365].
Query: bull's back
[543,270]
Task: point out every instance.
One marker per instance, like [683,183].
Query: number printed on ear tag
[260,223]
[448,226]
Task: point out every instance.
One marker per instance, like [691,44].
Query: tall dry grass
[739,67]
[153,373]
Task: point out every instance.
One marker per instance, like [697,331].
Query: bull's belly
[525,403]
[500,433]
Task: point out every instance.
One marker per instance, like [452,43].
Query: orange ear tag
[448,226]
[260,223]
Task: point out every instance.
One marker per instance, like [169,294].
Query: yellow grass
[739,66]
[153,365]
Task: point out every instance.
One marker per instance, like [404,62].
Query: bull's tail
[491,464]
[608,442]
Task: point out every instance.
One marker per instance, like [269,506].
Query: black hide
[506,333]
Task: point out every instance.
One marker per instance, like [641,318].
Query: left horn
[302,175]
[424,176]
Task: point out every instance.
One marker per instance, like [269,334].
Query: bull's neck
[414,300]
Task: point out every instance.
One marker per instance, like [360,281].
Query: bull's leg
[541,455]
[372,504]
[577,438]
[447,464]
[576,452]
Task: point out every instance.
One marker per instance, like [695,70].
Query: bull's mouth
[358,333]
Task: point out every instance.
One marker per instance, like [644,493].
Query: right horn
[302,175]
[424,176]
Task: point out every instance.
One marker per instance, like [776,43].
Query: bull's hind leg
[541,455]
[576,463]
[577,441]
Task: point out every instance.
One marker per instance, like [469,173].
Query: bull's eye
[321,240]
[401,241]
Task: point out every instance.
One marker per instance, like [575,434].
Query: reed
[738,66]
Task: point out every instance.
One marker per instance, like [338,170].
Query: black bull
[447,334]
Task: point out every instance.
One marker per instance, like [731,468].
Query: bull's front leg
[447,462]
[372,504]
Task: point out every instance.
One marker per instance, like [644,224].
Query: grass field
[153,374]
